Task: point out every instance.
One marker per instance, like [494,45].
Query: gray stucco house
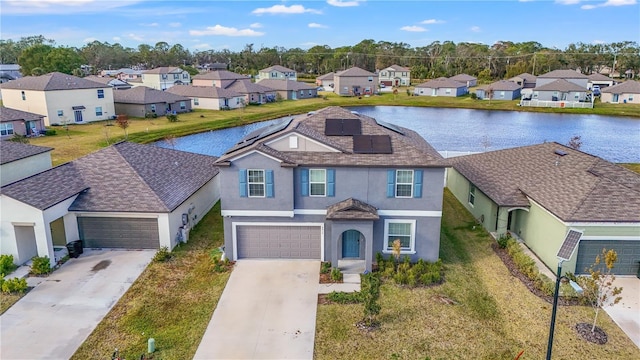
[329,185]
[141,100]
[290,89]
[441,87]
[499,90]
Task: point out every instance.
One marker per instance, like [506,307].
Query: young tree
[370,295]
[123,123]
[575,142]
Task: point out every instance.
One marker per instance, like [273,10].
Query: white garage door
[278,242]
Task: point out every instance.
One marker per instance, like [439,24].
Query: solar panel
[333,127]
[258,134]
[342,127]
[381,144]
[351,127]
[569,245]
[389,126]
[372,144]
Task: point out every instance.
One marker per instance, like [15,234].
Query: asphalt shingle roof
[286,85]
[441,83]
[327,76]
[408,149]
[352,209]
[355,71]
[501,85]
[145,95]
[395,67]
[52,81]
[203,92]
[574,187]
[277,68]
[125,177]
[563,74]
[9,114]
[12,151]
[526,77]
[163,70]
[463,78]
[627,87]
[220,75]
[248,87]
[560,85]
[599,77]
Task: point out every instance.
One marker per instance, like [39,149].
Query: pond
[615,139]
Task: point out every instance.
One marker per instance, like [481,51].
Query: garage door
[278,242]
[126,233]
[628,255]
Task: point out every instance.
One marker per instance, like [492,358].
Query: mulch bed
[326,279]
[598,336]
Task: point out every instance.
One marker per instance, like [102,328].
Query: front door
[78,115]
[351,244]
[615,98]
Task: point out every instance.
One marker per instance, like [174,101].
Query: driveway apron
[56,317]
[267,311]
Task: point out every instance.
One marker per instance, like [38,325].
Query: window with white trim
[472,194]
[98,110]
[60,113]
[176,76]
[404,183]
[100,94]
[153,107]
[370,78]
[183,105]
[447,91]
[403,230]
[317,182]
[164,76]
[6,129]
[255,182]
[196,101]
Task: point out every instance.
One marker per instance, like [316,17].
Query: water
[615,139]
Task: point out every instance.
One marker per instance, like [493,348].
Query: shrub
[325,267]
[162,255]
[19,139]
[336,274]
[503,240]
[474,96]
[41,265]
[6,264]
[50,132]
[345,297]
[13,285]
[370,295]
[222,265]
[150,115]
[172,118]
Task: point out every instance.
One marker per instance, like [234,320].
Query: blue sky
[231,24]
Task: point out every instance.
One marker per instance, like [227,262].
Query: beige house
[227,80]
[355,82]
[218,78]
[627,92]
[395,75]
[277,72]
[163,78]
[60,98]
[210,97]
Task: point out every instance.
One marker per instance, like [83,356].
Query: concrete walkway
[626,313]
[267,311]
[351,270]
[55,317]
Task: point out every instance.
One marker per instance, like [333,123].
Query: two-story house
[60,98]
[228,80]
[277,72]
[395,75]
[330,185]
[355,82]
[163,78]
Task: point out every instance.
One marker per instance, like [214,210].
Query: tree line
[38,55]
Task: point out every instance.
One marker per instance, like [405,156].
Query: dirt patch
[362,326]
[326,279]
[323,300]
[101,265]
[445,300]
[598,336]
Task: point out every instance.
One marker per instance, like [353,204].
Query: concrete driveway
[267,311]
[626,313]
[55,317]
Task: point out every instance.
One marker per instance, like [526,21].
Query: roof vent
[560,153]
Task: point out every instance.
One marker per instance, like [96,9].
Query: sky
[232,24]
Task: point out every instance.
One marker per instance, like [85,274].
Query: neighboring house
[141,100]
[627,92]
[126,74]
[562,91]
[253,93]
[539,192]
[600,80]
[210,97]
[277,72]
[218,78]
[468,80]
[441,87]
[60,98]
[526,82]
[125,196]
[18,161]
[9,72]
[115,83]
[326,81]
[163,78]
[18,122]
[330,185]
[355,82]
[571,76]
[291,90]
[499,90]
[395,75]
[213,66]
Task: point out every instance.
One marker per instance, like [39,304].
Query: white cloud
[283,9]
[255,26]
[567,2]
[135,37]
[343,3]
[31,7]
[116,38]
[151,24]
[225,31]
[413,28]
[475,28]
[175,24]
[431,21]
[317,26]
[610,3]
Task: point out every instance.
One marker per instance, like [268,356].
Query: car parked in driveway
[596,90]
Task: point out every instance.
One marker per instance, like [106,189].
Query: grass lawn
[82,139]
[171,302]
[495,316]
[7,300]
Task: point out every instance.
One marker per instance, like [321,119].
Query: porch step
[351,278]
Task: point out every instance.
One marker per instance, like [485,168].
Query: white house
[395,75]
[18,161]
[163,78]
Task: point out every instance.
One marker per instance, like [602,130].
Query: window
[447,91]
[302,93]
[317,182]
[370,78]
[185,75]
[196,101]
[153,107]
[310,93]
[502,94]
[403,230]
[183,105]
[404,73]
[577,96]
[100,94]
[164,76]
[472,194]
[176,76]
[256,183]
[24,96]
[404,183]
[6,129]
[98,110]
[60,113]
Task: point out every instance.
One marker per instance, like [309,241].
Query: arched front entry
[351,244]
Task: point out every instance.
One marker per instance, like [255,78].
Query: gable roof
[53,81]
[599,77]
[628,87]
[286,85]
[355,71]
[213,92]
[277,68]
[125,177]
[114,82]
[574,187]
[563,74]
[247,87]
[395,67]
[327,76]
[11,151]
[352,209]
[501,85]
[463,78]
[220,75]
[164,70]
[9,114]
[145,95]
[441,83]
[409,149]
[560,85]
[525,76]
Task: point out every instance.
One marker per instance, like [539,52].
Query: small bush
[19,139]
[325,267]
[474,96]
[162,255]
[215,255]
[41,265]
[6,264]
[172,118]
[49,132]
[13,285]
[345,298]
[150,115]
[503,240]
[336,274]
[222,265]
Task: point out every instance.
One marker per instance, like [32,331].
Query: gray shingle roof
[145,95]
[220,75]
[355,71]
[9,114]
[12,151]
[277,68]
[247,87]
[501,85]
[203,92]
[52,81]
[574,187]
[164,70]
[560,85]
[563,74]
[463,78]
[328,76]
[599,77]
[441,83]
[525,76]
[395,67]
[627,87]
[408,149]
[286,85]
[352,209]
[125,177]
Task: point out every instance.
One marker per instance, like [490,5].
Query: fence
[557,104]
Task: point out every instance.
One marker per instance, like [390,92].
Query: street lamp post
[553,312]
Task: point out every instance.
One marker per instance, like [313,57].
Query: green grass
[86,138]
[494,315]
[171,302]
[7,300]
